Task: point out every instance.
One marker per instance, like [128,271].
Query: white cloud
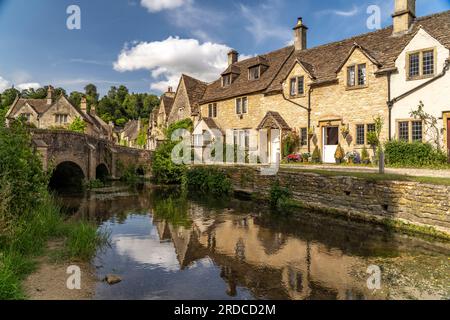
[263,22]
[29,85]
[342,13]
[4,84]
[169,58]
[160,5]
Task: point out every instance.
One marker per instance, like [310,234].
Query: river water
[166,245]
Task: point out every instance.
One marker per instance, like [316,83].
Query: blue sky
[146,44]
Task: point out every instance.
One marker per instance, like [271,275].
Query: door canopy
[273,120]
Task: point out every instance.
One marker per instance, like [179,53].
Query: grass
[28,240]
[372,176]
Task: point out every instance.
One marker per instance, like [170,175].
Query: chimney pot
[83,104]
[50,93]
[233,56]
[300,35]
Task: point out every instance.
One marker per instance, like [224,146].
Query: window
[403,130]
[417,131]
[297,86]
[198,140]
[351,76]
[371,127]
[362,75]
[293,87]
[428,63]
[421,64]
[242,139]
[226,80]
[241,105]
[360,134]
[357,76]
[212,110]
[61,118]
[303,136]
[301,85]
[253,73]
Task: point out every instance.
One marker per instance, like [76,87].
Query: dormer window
[421,64]
[357,76]
[226,80]
[254,73]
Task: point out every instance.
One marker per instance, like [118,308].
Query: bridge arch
[67,176]
[102,172]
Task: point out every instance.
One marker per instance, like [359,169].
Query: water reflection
[166,246]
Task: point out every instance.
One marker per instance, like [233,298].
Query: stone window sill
[356,87]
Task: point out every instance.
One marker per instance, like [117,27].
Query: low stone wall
[411,202]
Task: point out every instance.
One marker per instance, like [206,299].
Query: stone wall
[411,202]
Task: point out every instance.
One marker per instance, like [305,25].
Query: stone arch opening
[140,171]
[102,172]
[67,177]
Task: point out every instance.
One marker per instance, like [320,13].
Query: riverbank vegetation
[208,180]
[29,215]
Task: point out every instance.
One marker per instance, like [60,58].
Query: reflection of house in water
[271,264]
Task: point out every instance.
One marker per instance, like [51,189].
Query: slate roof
[195,89]
[322,62]
[131,129]
[168,103]
[275,117]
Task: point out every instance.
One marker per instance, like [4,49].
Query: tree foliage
[78,125]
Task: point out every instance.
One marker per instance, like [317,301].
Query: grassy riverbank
[30,217]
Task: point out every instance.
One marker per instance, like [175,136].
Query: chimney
[170,93]
[300,35]
[83,104]
[404,15]
[233,56]
[50,92]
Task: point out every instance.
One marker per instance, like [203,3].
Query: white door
[275,146]
[330,142]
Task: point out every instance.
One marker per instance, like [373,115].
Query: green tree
[78,125]
[75,98]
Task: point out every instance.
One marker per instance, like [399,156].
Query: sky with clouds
[147,44]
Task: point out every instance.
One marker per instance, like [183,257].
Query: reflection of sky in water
[150,269]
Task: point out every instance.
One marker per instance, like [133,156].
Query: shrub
[339,154]
[365,157]
[316,157]
[165,171]
[208,180]
[78,125]
[290,143]
[416,154]
[279,195]
[186,124]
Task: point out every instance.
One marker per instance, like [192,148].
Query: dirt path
[49,282]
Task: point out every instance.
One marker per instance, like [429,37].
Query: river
[166,245]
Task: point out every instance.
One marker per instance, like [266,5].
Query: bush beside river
[29,215]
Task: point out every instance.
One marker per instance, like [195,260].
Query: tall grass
[28,239]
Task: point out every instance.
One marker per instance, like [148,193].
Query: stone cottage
[159,119]
[58,113]
[331,94]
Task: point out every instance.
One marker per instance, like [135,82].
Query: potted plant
[365,158]
[305,157]
[339,154]
[316,158]
[294,158]
[345,130]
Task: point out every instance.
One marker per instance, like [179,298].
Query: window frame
[420,74]
[294,88]
[258,68]
[212,110]
[243,107]
[410,130]
[224,83]
[61,118]
[303,137]
[355,84]
[364,134]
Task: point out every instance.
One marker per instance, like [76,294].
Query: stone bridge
[72,153]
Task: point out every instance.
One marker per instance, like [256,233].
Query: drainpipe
[303,107]
[390,105]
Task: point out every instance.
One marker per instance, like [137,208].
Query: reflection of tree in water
[229,276]
[173,209]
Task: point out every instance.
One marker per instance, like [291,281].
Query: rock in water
[112,279]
